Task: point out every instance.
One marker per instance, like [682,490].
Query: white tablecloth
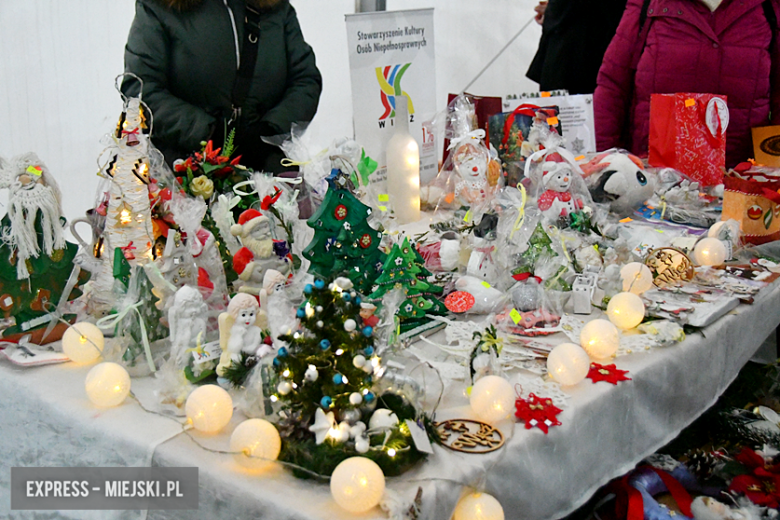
[46,420]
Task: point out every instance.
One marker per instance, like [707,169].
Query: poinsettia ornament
[608,373]
[537,411]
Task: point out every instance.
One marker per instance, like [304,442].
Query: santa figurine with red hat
[259,253]
[557,199]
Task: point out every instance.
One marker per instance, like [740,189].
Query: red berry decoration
[459,301]
[608,373]
[537,411]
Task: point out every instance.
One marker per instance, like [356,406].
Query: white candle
[403,167]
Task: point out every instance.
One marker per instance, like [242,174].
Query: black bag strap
[246,68]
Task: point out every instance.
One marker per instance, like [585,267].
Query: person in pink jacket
[722,47]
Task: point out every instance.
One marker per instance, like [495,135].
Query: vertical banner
[392,54]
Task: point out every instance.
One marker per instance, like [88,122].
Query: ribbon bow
[114,320]
[457,142]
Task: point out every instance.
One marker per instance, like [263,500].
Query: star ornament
[323,423]
[537,411]
[608,373]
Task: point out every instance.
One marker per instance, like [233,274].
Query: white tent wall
[60,59]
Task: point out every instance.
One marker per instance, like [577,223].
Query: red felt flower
[537,411]
[165,194]
[760,491]
[608,373]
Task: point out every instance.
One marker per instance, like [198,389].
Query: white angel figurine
[240,331]
[187,320]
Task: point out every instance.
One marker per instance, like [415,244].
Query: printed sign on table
[392,54]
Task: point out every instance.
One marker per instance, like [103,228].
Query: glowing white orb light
[600,339]
[209,408]
[357,484]
[636,277]
[83,343]
[626,310]
[568,364]
[258,442]
[492,399]
[107,384]
[478,506]
[709,251]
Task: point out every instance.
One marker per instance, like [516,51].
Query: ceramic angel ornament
[240,331]
[187,320]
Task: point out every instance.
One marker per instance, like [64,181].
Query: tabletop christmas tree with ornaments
[326,387]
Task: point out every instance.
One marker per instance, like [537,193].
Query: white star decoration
[322,425]
[398,261]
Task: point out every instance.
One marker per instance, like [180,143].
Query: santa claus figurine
[260,252]
[557,200]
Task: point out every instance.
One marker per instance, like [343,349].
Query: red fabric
[689,49]
[680,138]
[677,491]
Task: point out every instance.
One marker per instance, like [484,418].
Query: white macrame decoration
[32,192]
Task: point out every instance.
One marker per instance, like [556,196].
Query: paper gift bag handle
[524,110]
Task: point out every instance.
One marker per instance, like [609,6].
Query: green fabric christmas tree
[344,244]
[539,245]
[403,269]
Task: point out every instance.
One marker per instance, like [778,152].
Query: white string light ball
[478,506]
[709,251]
[83,343]
[107,384]
[568,364]
[209,408]
[357,484]
[492,399]
[637,278]
[258,442]
[626,310]
[600,339]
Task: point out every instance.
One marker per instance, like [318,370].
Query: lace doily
[629,343]
[543,388]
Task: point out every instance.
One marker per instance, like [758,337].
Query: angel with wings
[240,331]
[187,319]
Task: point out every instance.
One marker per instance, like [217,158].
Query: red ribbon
[523,110]
[133,132]
[629,499]
[269,200]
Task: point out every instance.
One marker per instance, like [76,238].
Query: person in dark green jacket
[187,53]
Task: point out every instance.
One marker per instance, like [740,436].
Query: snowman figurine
[470,161]
[557,199]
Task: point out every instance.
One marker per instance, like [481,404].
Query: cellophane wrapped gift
[688,133]
[470,176]
[484,108]
[518,134]
[751,198]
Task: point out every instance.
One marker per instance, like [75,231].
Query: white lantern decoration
[403,167]
[709,251]
[568,364]
[637,278]
[600,339]
[357,484]
[83,343]
[209,408]
[626,310]
[107,384]
[478,506]
[258,442]
[492,399]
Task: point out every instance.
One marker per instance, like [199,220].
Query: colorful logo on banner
[389,79]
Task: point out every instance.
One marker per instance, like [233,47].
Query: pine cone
[702,464]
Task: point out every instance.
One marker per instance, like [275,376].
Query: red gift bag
[688,133]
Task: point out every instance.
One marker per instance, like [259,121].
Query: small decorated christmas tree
[326,382]
[344,243]
[403,270]
[328,362]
